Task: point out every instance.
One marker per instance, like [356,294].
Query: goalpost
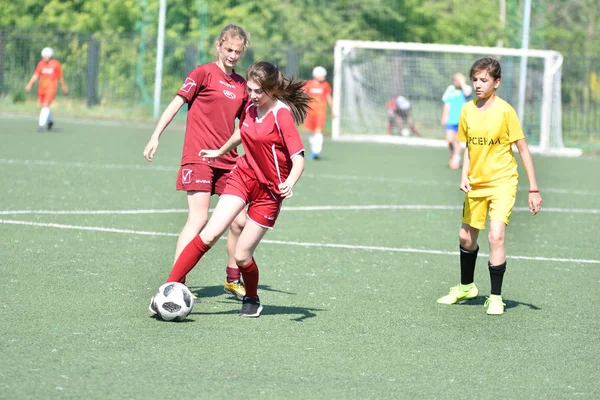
[368,74]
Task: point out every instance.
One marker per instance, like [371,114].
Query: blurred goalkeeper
[398,111]
[48,70]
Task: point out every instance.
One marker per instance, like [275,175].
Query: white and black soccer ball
[405,132]
[172,302]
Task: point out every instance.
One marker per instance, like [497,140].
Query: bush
[18,96]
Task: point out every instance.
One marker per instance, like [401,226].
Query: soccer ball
[172,302]
[405,132]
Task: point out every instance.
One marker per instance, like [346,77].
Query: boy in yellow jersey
[489,126]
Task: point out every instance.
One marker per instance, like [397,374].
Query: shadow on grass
[157,318]
[480,300]
[302,313]
[215,291]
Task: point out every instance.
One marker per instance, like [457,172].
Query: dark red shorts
[263,205]
[202,178]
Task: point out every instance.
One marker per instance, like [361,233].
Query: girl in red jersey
[263,177]
[215,96]
[49,71]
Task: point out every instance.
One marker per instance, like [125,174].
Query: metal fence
[116,72]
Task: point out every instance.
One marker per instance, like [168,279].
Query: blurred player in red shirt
[50,74]
[398,111]
[319,91]
[215,95]
[263,177]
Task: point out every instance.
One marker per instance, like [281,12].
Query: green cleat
[494,305]
[459,293]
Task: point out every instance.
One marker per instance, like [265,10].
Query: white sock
[317,144]
[311,142]
[44,117]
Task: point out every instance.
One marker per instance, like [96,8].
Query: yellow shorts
[500,205]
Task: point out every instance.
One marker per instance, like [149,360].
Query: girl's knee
[496,238]
[466,239]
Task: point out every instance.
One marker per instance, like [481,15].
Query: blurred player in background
[398,111]
[50,74]
[455,96]
[264,176]
[215,96]
[319,91]
[489,126]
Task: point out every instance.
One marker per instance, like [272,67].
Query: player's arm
[330,102]
[286,187]
[233,142]
[464,86]
[34,78]
[164,121]
[445,112]
[63,85]
[535,200]
[465,186]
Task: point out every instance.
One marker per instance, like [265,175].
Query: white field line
[292,243]
[301,208]
[144,166]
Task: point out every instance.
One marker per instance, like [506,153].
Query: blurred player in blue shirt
[455,96]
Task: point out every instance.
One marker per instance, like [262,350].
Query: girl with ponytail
[263,177]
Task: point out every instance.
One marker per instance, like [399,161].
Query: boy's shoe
[251,308]
[50,123]
[458,293]
[236,288]
[494,305]
[314,156]
[152,307]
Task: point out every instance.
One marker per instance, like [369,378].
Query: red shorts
[46,97]
[202,178]
[315,121]
[263,205]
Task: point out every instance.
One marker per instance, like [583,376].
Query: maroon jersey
[214,100]
[269,145]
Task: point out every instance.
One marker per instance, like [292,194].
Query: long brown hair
[233,31]
[274,84]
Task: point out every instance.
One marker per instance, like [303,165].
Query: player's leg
[44,99]
[317,136]
[198,205]
[411,124]
[452,139]
[225,212]
[474,214]
[233,283]
[244,254]
[500,211]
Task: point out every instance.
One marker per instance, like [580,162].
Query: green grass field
[349,280]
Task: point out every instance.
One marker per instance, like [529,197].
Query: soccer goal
[369,74]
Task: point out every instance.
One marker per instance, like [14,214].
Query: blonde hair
[230,32]
[275,85]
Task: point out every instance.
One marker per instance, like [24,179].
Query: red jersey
[215,100]
[269,145]
[49,73]
[318,92]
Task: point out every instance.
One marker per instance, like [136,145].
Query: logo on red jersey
[186,176]
[188,85]
[229,94]
[47,71]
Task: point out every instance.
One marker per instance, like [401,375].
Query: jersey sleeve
[194,83]
[462,126]
[328,89]
[515,132]
[38,68]
[289,132]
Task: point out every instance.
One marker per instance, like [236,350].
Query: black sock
[467,265]
[496,276]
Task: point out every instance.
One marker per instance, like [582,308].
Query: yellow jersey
[489,136]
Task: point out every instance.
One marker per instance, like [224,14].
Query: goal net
[369,74]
